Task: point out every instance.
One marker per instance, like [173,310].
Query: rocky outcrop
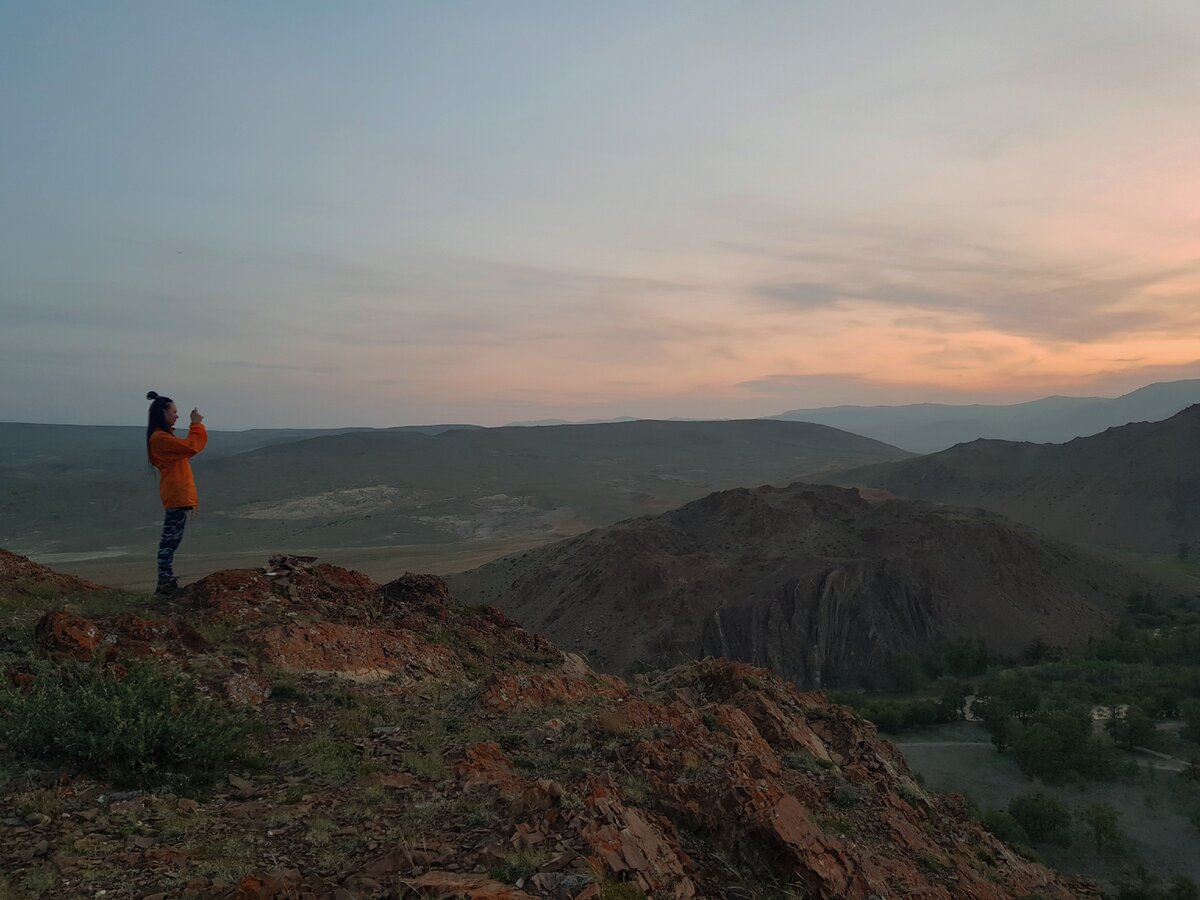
[484,763]
[833,623]
[819,583]
[22,577]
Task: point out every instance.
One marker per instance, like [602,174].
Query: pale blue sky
[386,213]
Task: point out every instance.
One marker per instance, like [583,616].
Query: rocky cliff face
[831,622]
[414,747]
[818,583]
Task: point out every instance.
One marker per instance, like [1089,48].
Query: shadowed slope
[1136,487]
[816,582]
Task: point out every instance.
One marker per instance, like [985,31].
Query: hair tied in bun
[151,395]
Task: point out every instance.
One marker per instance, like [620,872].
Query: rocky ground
[410,746]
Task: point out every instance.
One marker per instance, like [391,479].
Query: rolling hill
[35,449]
[1136,487]
[815,582]
[385,488]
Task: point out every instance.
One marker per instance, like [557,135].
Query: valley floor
[136,572]
[960,758]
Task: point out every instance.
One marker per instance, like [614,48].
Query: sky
[384,213]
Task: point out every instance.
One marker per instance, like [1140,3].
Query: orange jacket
[170,456]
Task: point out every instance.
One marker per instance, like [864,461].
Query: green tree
[1190,710]
[952,700]
[888,717]
[1036,651]
[1044,818]
[964,657]
[1102,818]
[906,672]
[1132,727]
[1038,750]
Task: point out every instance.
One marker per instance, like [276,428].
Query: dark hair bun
[151,395]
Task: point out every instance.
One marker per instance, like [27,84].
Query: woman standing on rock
[177,488]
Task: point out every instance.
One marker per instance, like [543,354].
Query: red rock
[485,764]
[64,632]
[20,576]
[359,652]
[21,680]
[264,887]
[531,691]
[458,886]
[428,592]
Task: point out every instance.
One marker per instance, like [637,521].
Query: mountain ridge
[1132,487]
[931,427]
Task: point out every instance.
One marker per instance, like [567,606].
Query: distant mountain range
[25,446]
[929,427]
[1136,487]
[539,423]
[816,582]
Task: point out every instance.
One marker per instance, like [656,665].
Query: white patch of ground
[351,501]
[51,558]
[507,520]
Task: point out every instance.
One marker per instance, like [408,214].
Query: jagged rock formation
[818,583]
[1136,487]
[475,760]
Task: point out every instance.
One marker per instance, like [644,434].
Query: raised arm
[167,447]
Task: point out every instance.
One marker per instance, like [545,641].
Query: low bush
[1004,826]
[146,725]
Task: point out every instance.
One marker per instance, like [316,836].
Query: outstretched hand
[196,417]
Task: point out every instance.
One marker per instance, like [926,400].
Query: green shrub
[146,726]
[1044,818]
[1102,818]
[1005,827]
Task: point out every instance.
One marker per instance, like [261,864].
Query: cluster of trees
[1038,818]
[1038,706]
[895,716]
[1051,743]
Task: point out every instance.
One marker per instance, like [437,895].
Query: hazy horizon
[307,216]
[566,420]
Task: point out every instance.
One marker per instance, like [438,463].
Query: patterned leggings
[173,525]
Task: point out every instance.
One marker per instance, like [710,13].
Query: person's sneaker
[166,588]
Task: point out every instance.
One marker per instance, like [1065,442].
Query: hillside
[815,582]
[33,450]
[386,488]
[1134,488]
[404,745]
[930,427]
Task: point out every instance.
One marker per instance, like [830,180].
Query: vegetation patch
[146,725]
